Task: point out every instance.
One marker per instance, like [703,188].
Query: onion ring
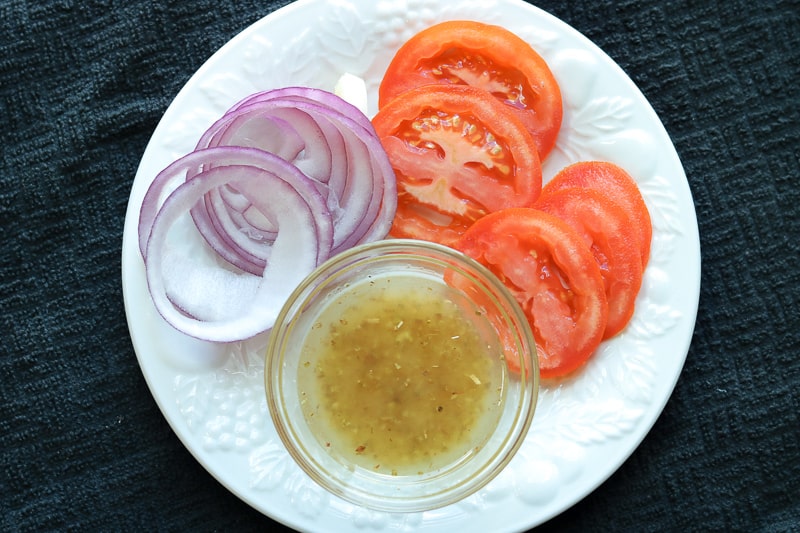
[282,181]
[211,302]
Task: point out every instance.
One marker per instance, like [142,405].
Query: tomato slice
[458,154]
[615,182]
[609,233]
[553,276]
[486,56]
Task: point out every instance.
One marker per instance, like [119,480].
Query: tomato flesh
[551,272]
[458,154]
[485,56]
[459,66]
[608,232]
[615,182]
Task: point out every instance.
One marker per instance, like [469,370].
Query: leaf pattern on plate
[269,467]
[633,373]
[543,40]
[663,206]
[226,408]
[223,91]
[297,63]
[271,470]
[593,422]
[655,320]
[258,60]
[193,396]
[344,33]
[594,123]
[182,134]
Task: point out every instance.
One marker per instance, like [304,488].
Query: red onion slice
[278,184]
[311,95]
[230,243]
[214,303]
[361,190]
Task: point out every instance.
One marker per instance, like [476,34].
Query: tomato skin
[463,52]
[458,154]
[609,233]
[554,277]
[615,182]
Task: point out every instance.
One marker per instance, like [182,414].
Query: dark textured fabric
[82,441]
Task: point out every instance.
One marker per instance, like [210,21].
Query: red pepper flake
[361,449]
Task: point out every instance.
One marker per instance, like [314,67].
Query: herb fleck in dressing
[399,378]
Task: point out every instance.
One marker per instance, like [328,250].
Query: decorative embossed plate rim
[584,428]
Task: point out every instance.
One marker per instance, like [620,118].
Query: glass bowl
[401,375]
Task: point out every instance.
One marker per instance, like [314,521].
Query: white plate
[213,395]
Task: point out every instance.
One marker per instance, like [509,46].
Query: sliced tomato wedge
[486,56]
[613,181]
[609,233]
[458,154]
[551,272]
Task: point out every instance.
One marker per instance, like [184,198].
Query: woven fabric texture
[83,444]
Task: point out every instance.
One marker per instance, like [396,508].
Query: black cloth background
[82,443]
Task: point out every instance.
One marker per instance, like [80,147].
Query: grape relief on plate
[225,408]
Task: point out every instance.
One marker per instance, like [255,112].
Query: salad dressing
[399,378]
